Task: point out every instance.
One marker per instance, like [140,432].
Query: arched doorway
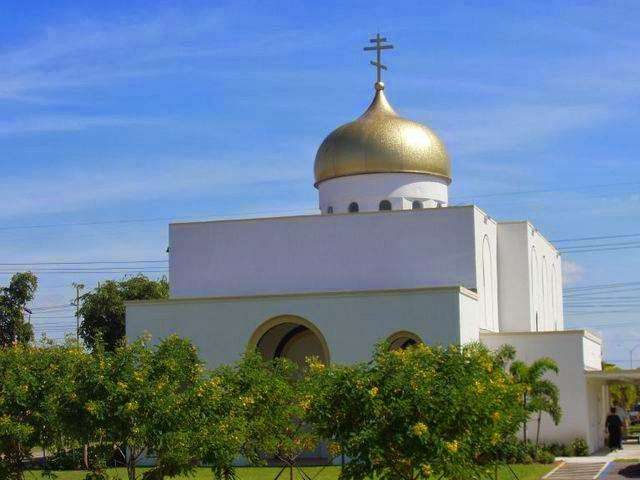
[402,340]
[291,337]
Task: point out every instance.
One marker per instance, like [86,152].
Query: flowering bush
[418,412]
[273,399]
[35,386]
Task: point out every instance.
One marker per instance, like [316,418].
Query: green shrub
[406,415]
[579,447]
[545,456]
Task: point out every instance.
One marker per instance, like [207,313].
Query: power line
[51,307]
[149,220]
[612,293]
[604,237]
[588,250]
[296,211]
[601,286]
[92,262]
[549,190]
[41,272]
[113,269]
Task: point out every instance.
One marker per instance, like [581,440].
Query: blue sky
[120,116]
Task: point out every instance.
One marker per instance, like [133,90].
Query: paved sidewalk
[629,452]
[576,471]
[621,471]
[603,465]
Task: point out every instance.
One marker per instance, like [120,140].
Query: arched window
[353,207]
[401,340]
[384,205]
[329,209]
[416,205]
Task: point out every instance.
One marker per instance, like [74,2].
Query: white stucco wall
[351,322]
[364,251]
[513,277]
[486,245]
[401,189]
[529,280]
[567,348]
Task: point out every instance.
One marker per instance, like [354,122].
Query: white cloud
[513,126]
[572,272]
[65,123]
[70,190]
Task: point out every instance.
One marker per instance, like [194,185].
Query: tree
[13,300]
[408,414]
[34,394]
[539,394]
[103,309]
[144,400]
[622,394]
[274,399]
[173,410]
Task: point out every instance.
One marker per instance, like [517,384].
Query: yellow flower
[425,468]
[419,429]
[305,404]
[334,449]
[495,438]
[246,401]
[479,386]
[315,364]
[373,392]
[452,446]
[495,416]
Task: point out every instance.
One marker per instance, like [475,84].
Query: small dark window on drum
[329,209]
[353,207]
[416,205]
[384,205]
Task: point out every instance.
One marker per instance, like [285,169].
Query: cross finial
[378,48]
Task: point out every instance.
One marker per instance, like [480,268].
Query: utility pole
[78,287]
[631,356]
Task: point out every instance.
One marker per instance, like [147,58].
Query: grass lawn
[524,472]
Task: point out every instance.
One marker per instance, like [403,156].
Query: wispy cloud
[68,190]
[513,126]
[66,123]
[89,53]
[572,272]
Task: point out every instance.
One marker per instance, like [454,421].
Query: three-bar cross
[378,48]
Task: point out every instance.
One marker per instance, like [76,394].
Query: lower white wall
[577,399]
[351,323]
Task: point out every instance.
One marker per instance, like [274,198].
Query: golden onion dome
[381,141]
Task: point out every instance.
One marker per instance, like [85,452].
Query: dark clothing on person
[614,427]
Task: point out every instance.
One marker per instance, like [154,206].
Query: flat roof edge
[423,211]
[459,288]
[581,332]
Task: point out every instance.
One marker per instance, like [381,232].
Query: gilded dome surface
[381,141]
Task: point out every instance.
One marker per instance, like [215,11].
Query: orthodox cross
[378,48]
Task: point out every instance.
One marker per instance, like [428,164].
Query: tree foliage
[539,394]
[274,398]
[13,300]
[103,309]
[34,394]
[410,414]
[624,395]
[407,414]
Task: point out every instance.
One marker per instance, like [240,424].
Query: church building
[386,257]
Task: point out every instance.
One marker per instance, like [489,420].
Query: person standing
[613,425]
